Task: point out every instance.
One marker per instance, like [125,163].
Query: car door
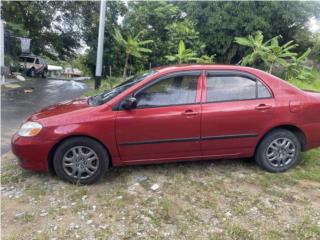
[166,121]
[236,108]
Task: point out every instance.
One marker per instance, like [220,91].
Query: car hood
[60,108]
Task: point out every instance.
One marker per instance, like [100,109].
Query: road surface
[19,100]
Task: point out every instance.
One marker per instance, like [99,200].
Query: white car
[33,65]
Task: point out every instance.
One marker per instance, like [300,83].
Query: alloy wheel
[281,152]
[80,162]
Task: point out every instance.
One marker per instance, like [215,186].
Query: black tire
[279,164]
[44,73]
[61,170]
[32,72]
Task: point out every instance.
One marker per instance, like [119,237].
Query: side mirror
[129,103]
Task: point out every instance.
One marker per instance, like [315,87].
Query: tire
[44,73]
[32,72]
[278,151]
[72,156]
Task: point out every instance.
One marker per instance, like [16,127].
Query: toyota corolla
[174,113]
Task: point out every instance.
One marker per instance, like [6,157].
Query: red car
[174,113]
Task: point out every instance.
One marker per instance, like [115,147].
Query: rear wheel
[80,160]
[279,151]
[44,73]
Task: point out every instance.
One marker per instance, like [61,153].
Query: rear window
[27,59]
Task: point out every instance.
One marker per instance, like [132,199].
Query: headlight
[30,129]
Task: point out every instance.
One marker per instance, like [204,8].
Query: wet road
[19,100]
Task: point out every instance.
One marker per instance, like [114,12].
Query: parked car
[34,65]
[175,113]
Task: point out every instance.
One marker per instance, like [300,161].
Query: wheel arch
[290,127]
[54,148]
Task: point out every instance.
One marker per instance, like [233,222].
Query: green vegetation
[133,47]
[207,29]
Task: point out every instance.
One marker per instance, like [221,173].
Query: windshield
[108,95]
[26,59]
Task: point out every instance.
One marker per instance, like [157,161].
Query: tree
[153,17]
[184,30]
[112,54]
[133,47]
[218,23]
[51,26]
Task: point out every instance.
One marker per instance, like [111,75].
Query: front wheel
[279,151]
[32,72]
[80,160]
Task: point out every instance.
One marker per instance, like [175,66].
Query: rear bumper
[32,153]
[312,133]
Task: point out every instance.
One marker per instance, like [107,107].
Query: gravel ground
[222,199]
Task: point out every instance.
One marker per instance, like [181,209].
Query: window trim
[196,73]
[236,73]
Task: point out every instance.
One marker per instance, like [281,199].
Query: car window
[108,95]
[263,91]
[232,88]
[175,90]
[37,61]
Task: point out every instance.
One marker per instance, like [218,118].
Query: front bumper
[32,153]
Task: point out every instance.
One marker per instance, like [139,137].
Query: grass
[196,200]
[309,85]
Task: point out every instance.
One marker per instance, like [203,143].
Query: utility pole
[2,46]
[100,44]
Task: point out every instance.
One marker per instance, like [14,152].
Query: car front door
[165,123]
[236,108]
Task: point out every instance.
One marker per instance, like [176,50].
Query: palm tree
[133,47]
[184,54]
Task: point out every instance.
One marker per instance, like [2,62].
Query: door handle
[262,107]
[189,112]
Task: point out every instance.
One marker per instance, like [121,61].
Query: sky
[314,24]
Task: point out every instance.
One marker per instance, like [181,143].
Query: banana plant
[133,47]
[184,55]
[257,46]
[296,69]
[270,52]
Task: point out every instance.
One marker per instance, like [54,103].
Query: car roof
[184,67]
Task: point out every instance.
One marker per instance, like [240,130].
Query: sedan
[173,113]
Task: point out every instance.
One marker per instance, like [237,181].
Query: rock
[155,187]
[104,226]
[254,210]
[64,207]
[43,213]
[20,78]
[89,222]
[84,197]
[228,214]
[20,214]
[140,178]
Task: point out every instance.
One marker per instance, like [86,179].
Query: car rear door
[166,122]
[236,108]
